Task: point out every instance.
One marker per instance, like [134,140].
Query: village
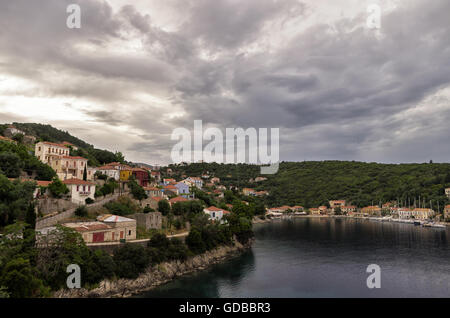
[92,187]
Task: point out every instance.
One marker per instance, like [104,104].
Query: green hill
[17,160]
[48,133]
[311,184]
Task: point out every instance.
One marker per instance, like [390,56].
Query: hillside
[16,160]
[311,184]
[48,133]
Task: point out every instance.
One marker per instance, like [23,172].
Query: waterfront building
[373,210]
[336,203]
[447,192]
[447,212]
[314,211]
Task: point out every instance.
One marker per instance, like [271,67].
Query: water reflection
[321,257]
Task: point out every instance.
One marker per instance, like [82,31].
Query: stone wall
[48,205]
[55,219]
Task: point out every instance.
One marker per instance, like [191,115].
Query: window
[129,232]
[39,149]
[84,188]
[78,188]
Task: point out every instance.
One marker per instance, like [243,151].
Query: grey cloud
[336,91]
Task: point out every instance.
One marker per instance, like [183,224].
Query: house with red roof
[170,190]
[215,213]
[80,190]
[177,199]
[141,176]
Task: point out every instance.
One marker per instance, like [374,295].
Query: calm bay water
[321,257]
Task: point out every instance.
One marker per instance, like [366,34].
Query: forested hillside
[16,160]
[48,133]
[311,184]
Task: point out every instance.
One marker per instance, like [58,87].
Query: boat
[441,226]
[417,223]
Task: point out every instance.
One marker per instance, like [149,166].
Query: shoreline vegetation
[157,275]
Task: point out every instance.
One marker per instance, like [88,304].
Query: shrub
[194,241]
[89,201]
[81,211]
[148,209]
[130,260]
[164,207]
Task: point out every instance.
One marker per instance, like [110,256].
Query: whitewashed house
[215,213]
[80,190]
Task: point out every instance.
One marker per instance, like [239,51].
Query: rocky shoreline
[156,275]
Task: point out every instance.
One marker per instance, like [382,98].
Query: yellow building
[125,174]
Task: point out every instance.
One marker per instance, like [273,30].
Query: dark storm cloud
[336,90]
[231,23]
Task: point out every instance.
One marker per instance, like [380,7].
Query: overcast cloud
[136,70]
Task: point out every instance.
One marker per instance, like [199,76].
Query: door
[98,237]
[121,234]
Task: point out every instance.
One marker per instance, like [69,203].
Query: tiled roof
[77,182]
[152,189]
[74,158]
[216,209]
[178,199]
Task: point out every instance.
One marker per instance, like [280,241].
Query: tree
[194,241]
[20,279]
[57,188]
[30,217]
[136,190]
[18,138]
[10,164]
[119,157]
[58,249]
[164,207]
[130,260]
[81,211]
[85,173]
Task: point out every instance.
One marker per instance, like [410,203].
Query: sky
[136,70]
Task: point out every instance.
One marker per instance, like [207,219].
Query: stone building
[152,220]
